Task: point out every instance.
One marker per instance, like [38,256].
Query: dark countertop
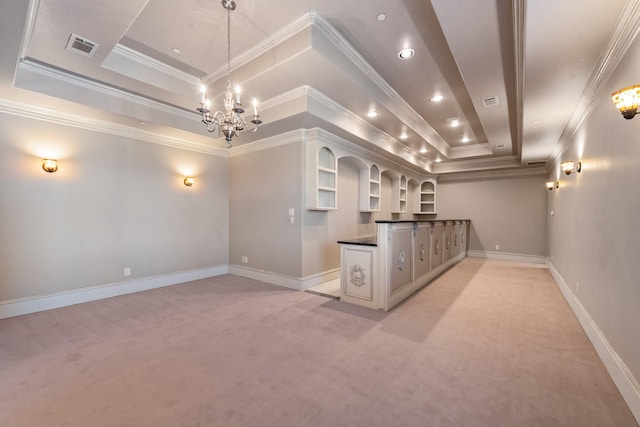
[393,221]
[362,241]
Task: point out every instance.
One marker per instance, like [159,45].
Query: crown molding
[267,44]
[624,34]
[29,25]
[519,14]
[49,73]
[492,174]
[504,162]
[268,143]
[34,112]
[367,132]
[474,150]
[123,58]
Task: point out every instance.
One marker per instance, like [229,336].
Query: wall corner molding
[286,281]
[624,34]
[506,256]
[625,381]
[20,306]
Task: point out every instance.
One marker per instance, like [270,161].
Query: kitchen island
[381,271]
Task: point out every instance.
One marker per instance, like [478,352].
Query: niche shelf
[322,191]
[400,195]
[426,198]
[370,189]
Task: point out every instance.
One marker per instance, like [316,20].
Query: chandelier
[230,122]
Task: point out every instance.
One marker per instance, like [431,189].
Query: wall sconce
[49,165]
[188,181]
[551,184]
[571,166]
[626,100]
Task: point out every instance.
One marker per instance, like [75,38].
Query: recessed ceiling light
[436,98]
[372,113]
[465,139]
[176,50]
[438,160]
[535,122]
[404,135]
[142,123]
[381,16]
[454,123]
[406,53]
[423,150]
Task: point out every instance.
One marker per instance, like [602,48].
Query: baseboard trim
[298,283]
[625,381]
[20,306]
[506,256]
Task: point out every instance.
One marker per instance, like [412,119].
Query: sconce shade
[188,181]
[626,100]
[567,167]
[550,185]
[50,165]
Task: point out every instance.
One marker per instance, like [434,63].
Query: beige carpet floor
[488,343]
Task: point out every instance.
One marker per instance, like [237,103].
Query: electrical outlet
[292,211]
[497,247]
[245,259]
[127,271]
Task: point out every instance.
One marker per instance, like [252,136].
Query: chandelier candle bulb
[238,94]
[203,91]
[255,107]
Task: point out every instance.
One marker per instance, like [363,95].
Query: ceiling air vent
[81,46]
[490,102]
[537,163]
[499,146]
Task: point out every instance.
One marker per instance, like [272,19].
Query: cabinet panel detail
[358,282]
[401,259]
[422,266]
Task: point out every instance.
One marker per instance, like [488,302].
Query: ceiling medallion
[231,122]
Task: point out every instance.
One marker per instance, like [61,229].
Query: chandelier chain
[228,45]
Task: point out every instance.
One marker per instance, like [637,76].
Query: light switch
[292,211]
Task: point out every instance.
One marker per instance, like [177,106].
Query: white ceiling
[325,63]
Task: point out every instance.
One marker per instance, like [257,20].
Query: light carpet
[488,343]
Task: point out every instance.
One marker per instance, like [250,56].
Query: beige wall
[594,235]
[508,212]
[263,186]
[113,203]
